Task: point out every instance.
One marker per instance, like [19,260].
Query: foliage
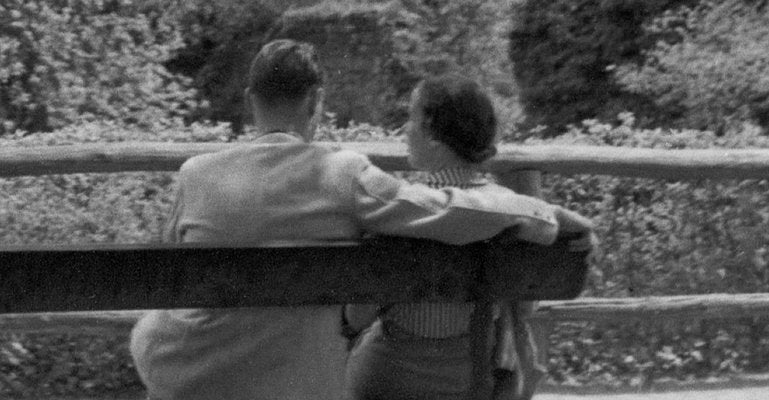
[83,208]
[639,354]
[466,37]
[563,51]
[665,238]
[78,60]
[107,84]
[219,38]
[42,366]
[329,131]
[142,61]
[717,75]
[670,237]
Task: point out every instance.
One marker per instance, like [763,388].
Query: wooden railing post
[525,182]
[528,332]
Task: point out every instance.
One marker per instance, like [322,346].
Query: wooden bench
[380,270]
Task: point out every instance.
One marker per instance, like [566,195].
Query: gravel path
[758,393]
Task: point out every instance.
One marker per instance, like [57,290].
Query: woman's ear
[426,131]
[433,143]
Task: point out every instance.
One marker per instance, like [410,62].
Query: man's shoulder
[200,161]
[334,161]
[246,151]
[345,159]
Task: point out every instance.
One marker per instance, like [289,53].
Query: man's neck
[267,127]
[278,120]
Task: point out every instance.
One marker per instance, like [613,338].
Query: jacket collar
[278,137]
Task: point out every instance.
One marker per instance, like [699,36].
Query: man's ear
[426,130]
[248,100]
[249,103]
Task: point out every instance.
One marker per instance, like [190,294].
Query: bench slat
[381,270]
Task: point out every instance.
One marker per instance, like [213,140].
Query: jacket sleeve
[387,205]
[171,230]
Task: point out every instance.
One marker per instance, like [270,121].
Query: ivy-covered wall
[365,82]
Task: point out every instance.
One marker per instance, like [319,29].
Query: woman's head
[454,112]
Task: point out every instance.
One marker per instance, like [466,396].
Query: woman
[422,350]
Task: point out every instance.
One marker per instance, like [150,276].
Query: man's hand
[585,242]
[571,222]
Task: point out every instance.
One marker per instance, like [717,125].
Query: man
[293,189]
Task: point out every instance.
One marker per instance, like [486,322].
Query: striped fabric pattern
[434,319]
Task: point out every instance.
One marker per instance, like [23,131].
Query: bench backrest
[380,270]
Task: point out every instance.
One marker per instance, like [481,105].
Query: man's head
[284,82]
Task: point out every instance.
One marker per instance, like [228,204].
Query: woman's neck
[446,159]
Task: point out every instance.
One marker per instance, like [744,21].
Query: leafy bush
[467,37]
[42,366]
[639,354]
[670,237]
[78,60]
[141,62]
[563,50]
[219,39]
[718,74]
[665,238]
[83,208]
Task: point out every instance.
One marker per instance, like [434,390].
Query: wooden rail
[708,306]
[630,162]
[692,307]
[616,161]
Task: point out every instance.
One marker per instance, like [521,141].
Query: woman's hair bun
[459,114]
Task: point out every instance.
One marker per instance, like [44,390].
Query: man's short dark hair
[284,70]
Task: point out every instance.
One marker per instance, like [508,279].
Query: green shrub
[83,208]
[669,237]
[219,39]
[466,37]
[663,237]
[44,366]
[717,76]
[80,60]
[639,354]
[563,51]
